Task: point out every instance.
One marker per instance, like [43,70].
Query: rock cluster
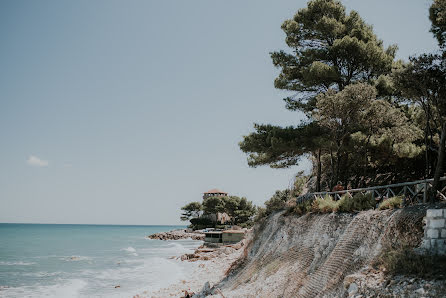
[373,283]
[204,253]
[176,235]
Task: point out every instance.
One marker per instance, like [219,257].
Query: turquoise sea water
[39,260]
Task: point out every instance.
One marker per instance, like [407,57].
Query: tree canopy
[328,49]
[240,210]
[362,122]
[191,210]
[437,16]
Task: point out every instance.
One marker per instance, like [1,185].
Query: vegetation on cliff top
[368,119]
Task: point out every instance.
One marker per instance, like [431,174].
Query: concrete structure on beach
[225,237]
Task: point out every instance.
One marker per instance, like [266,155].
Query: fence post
[425,193]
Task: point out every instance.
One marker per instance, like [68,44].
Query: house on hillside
[221,217]
[214,193]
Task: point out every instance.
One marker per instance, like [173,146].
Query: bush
[201,223]
[358,202]
[260,214]
[405,261]
[277,201]
[325,205]
[391,203]
[302,208]
[248,224]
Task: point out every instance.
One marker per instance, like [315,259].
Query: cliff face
[312,255]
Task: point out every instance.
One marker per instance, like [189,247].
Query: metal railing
[412,192]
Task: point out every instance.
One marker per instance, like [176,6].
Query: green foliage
[280,146]
[247,224]
[391,203]
[239,209]
[299,184]
[358,202]
[201,223]
[341,75]
[437,15]
[278,201]
[260,214]
[324,205]
[301,208]
[330,49]
[191,210]
[405,261]
[423,82]
[346,204]
[214,205]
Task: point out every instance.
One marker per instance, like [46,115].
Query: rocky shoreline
[177,235]
[210,266]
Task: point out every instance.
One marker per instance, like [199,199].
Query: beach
[205,265]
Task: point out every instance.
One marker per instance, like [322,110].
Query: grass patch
[391,203]
[358,202]
[405,261]
[324,205]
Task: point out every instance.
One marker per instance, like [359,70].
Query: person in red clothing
[338,187]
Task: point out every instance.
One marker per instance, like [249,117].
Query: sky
[121,112]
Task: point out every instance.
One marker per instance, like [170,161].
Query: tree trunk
[440,161]
[332,182]
[426,143]
[338,166]
[319,171]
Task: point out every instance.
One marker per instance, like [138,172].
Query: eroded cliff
[318,255]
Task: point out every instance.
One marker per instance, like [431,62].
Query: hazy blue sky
[122,111]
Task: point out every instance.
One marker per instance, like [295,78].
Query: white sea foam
[129,249]
[19,263]
[67,289]
[42,274]
[75,258]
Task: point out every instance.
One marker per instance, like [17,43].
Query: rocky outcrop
[176,235]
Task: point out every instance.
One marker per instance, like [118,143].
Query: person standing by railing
[338,187]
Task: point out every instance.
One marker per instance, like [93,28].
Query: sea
[46,260]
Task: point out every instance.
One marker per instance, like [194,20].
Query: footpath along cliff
[329,255]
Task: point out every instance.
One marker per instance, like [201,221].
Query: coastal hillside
[326,255]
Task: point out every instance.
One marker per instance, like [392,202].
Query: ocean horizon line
[88,224]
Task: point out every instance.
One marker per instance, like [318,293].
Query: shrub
[325,205]
[248,224]
[299,183]
[391,203]
[358,202]
[277,201]
[405,261]
[302,208]
[201,223]
[260,214]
